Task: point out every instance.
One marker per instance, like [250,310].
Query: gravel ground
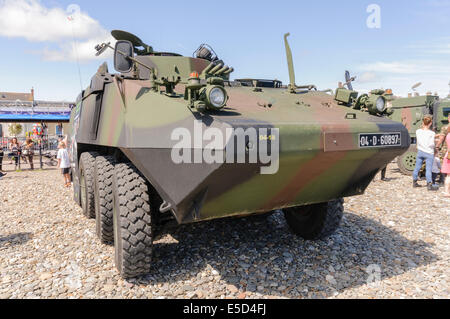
[394,243]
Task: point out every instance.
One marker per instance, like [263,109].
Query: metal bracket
[165,207]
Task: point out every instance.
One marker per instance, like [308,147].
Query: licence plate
[380,140]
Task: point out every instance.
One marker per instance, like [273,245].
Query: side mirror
[122,52]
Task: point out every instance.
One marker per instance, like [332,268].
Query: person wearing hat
[426,146]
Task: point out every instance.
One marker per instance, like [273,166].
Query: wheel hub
[409,161]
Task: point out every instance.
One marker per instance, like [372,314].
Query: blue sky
[327,37]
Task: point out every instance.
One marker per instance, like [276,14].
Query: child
[64,163]
[436,166]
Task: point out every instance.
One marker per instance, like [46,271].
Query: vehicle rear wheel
[317,221]
[76,188]
[87,165]
[104,173]
[407,162]
[133,233]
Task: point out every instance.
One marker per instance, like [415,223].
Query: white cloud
[401,75]
[434,67]
[69,51]
[67,28]
[402,84]
[439,46]
[367,77]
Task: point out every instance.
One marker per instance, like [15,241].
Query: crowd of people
[24,153]
[16,152]
[433,151]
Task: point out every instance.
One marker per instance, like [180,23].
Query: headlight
[216,97]
[381,104]
[375,104]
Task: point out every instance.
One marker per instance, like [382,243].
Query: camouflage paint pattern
[442,121]
[320,154]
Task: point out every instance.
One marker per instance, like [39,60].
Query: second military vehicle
[408,111]
[170,139]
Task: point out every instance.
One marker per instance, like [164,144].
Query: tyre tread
[87,161]
[134,255]
[324,222]
[104,202]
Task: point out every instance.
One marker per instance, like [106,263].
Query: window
[59,129]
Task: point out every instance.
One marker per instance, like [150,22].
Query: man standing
[425,146]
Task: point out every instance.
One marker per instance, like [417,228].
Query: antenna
[349,80]
[448,96]
[415,86]
[71,20]
[292,86]
[290,62]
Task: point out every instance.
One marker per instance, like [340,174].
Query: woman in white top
[425,145]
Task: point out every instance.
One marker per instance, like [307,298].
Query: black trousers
[438,177]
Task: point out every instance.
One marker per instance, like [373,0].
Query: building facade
[23,109]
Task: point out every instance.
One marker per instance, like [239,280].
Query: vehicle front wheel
[314,222]
[132,216]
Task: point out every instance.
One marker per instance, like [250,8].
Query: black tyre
[87,166]
[133,233]
[317,221]
[76,188]
[104,173]
[407,162]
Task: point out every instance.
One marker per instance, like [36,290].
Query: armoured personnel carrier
[170,139]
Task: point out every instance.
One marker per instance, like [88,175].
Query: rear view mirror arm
[101,48]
